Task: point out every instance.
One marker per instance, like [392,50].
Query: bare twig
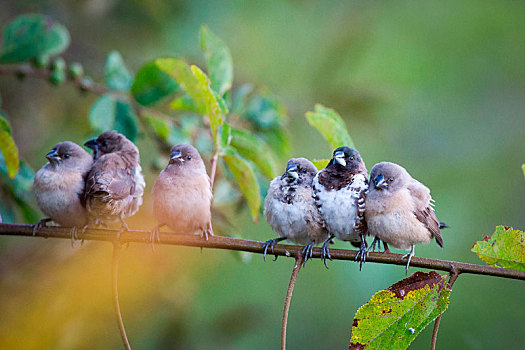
[213,166]
[454,274]
[299,258]
[218,242]
[115,263]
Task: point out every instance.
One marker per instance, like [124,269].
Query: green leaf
[8,147]
[523,168]
[32,37]
[246,179]
[320,163]
[116,74]
[218,61]
[330,125]
[255,150]
[506,248]
[110,113]
[197,85]
[184,102]
[265,111]
[151,84]
[394,317]
[160,127]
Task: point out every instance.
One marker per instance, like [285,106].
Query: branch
[299,258]
[118,314]
[218,242]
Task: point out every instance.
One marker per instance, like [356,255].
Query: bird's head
[69,155]
[110,142]
[386,176]
[299,170]
[185,156]
[348,159]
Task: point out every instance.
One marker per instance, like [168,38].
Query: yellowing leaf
[246,179]
[330,125]
[218,60]
[395,316]
[320,163]
[506,248]
[8,148]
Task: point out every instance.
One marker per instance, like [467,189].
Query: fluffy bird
[182,194]
[114,185]
[290,210]
[59,186]
[339,192]
[399,210]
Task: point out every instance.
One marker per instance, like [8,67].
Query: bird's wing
[424,211]
[109,177]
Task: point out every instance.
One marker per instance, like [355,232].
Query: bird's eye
[105,143]
[303,171]
[66,155]
[188,157]
[352,158]
[391,179]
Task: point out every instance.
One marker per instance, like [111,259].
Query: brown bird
[114,185]
[399,210]
[290,209]
[182,194]
[339,191]
[59,186]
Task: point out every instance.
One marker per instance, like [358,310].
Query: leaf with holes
[32,37]
[8,148]
[151,85]
[506,248]
[320,164]
[330,125]
[395,316]
[246,179]
[116,74]
[218,61]
[254,149]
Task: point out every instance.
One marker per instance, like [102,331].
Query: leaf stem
[299,258]
[213,166]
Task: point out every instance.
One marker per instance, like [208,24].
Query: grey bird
[399,210]
[182,194]
[290,210]
[339,194]
[59,186]
[114,185]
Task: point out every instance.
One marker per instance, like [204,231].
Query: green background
[435,86]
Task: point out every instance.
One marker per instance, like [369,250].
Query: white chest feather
[339,207]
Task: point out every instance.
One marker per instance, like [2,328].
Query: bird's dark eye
[188,157]
[352,158]
[66,155]
[105,143]
[391,179]
[303,171]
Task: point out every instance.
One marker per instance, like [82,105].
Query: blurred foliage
[394,317]
[435,86]
[505,248]
[330,124]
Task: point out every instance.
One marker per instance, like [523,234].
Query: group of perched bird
[78,190]
[309,207]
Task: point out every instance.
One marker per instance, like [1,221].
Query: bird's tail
[443,225]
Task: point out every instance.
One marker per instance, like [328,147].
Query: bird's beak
[291,172]
[176,156]
[53,157]
[339,157]
[93,145]
[380,182]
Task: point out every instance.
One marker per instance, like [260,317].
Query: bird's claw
[270,244]
[409,257]
[308,251]
[40,224]
[362,253]
[325,252]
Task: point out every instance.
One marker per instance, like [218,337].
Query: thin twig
[299,258]
[213,166]
[454,274]
[219,242]
[115,263]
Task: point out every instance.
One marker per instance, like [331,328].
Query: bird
[59,186]
[339,192]
[182,194]
[114,184]
[399,210]
[290,210]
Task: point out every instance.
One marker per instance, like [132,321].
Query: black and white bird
[290,210]
[339,192]
[114,185]
[59,186]
[399,210]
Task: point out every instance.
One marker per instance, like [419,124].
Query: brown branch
[454,274]
[218,242]
[299,258]
[213,166]
[118,314]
